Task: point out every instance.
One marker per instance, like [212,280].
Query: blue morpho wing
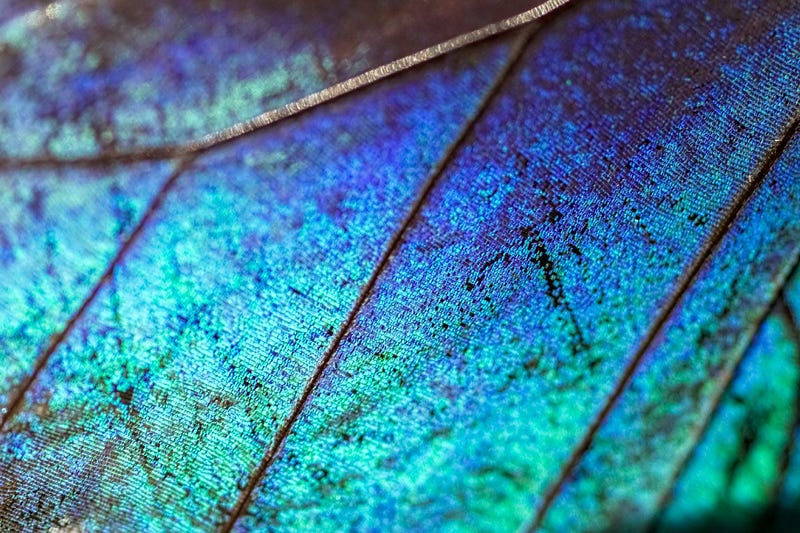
[235,284]
[574,289]
[652,425]
[504,289]
[84,78]
[10,9]
[748,454]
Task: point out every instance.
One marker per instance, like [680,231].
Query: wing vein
[16,397]
[777,304]
[794,333]
[297,107]
[283,433]
[689,277]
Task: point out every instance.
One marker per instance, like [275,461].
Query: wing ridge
[689,277]
[778,305]
[15,398]
[394,243]
[297,107]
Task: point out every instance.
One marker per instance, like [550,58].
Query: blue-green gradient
[161,402]
[655,422]
[557,234]
[536,267]
[59,229]
[734,474]
[83,78]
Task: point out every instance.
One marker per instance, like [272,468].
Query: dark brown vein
[56,340]
[769,517]
[777,304]
[688,280]
[272,453]
[297,107]
[786,309]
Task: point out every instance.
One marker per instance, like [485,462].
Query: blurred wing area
[538,282]
[137,79]
[742,476]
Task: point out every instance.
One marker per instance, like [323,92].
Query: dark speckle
[10,62]
[125,396]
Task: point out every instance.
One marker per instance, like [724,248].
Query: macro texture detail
[399,266]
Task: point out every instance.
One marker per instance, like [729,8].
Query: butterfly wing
[745,457]
[504,288]
[144,79]
[184,365]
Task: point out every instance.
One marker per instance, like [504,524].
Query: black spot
[125,396]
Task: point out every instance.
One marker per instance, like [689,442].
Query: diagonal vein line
[17,396]
[701,428]
[297,107]
[688,280]
[514,58]
[794,333]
